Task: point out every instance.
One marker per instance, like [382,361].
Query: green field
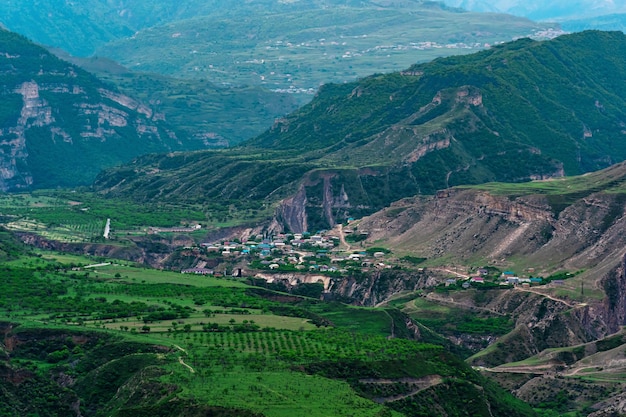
[80,217]
[135,340]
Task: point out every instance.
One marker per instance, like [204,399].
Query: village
[327,255]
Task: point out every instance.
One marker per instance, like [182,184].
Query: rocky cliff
[59,126]
[470,226]
[575,228]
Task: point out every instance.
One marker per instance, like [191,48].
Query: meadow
[119,328]
[80,216]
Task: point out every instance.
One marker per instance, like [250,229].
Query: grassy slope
[59,150]
[117,370]
[222,115]
[219,115]
[458,120]
[303,45]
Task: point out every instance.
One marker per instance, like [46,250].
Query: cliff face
[373,288]
[519,232]
[474,225]
[59,126]
[292,212]
[613,308]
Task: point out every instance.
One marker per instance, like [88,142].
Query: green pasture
[276,394]
[154,276]
[198,320]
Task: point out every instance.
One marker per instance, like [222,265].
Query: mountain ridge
[60,125]
[555,10]
[548,109]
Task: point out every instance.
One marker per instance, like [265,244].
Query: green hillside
[116,340]
[81,27]
[60,125]
[523,110]
[296,46]
[217,115]
[232,53]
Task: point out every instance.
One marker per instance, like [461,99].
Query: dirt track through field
[421,383]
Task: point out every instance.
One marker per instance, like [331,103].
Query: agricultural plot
[67,230]
[218,341]
[81,217]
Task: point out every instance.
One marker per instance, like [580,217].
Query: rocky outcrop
[540,323]
[295,279]
[469,223]
[292,212]
[586,235]
[100,116]
[60,125]
[373,288]
[613,308]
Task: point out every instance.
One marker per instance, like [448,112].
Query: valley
[311,208]
[499,313]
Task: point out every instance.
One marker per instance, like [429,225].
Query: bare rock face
[465,224]
[60,126]
[375,287]
[292,212]
[100,121]
[613,308]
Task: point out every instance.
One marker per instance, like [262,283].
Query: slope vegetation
[59,125]
[217,115]
[296,46]
[519,111]
[116,340]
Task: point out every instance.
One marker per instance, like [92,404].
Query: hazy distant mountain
[558,10]
[289,46]
[605,22]
[234,55]
[301,45]
[79,27]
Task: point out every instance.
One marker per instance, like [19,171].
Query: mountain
[296,46]
[569,233]
[230,53]
[60,126]
[519,111]
[558,10]
[605,22]
[216,115]
[80,27]
[573,223]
